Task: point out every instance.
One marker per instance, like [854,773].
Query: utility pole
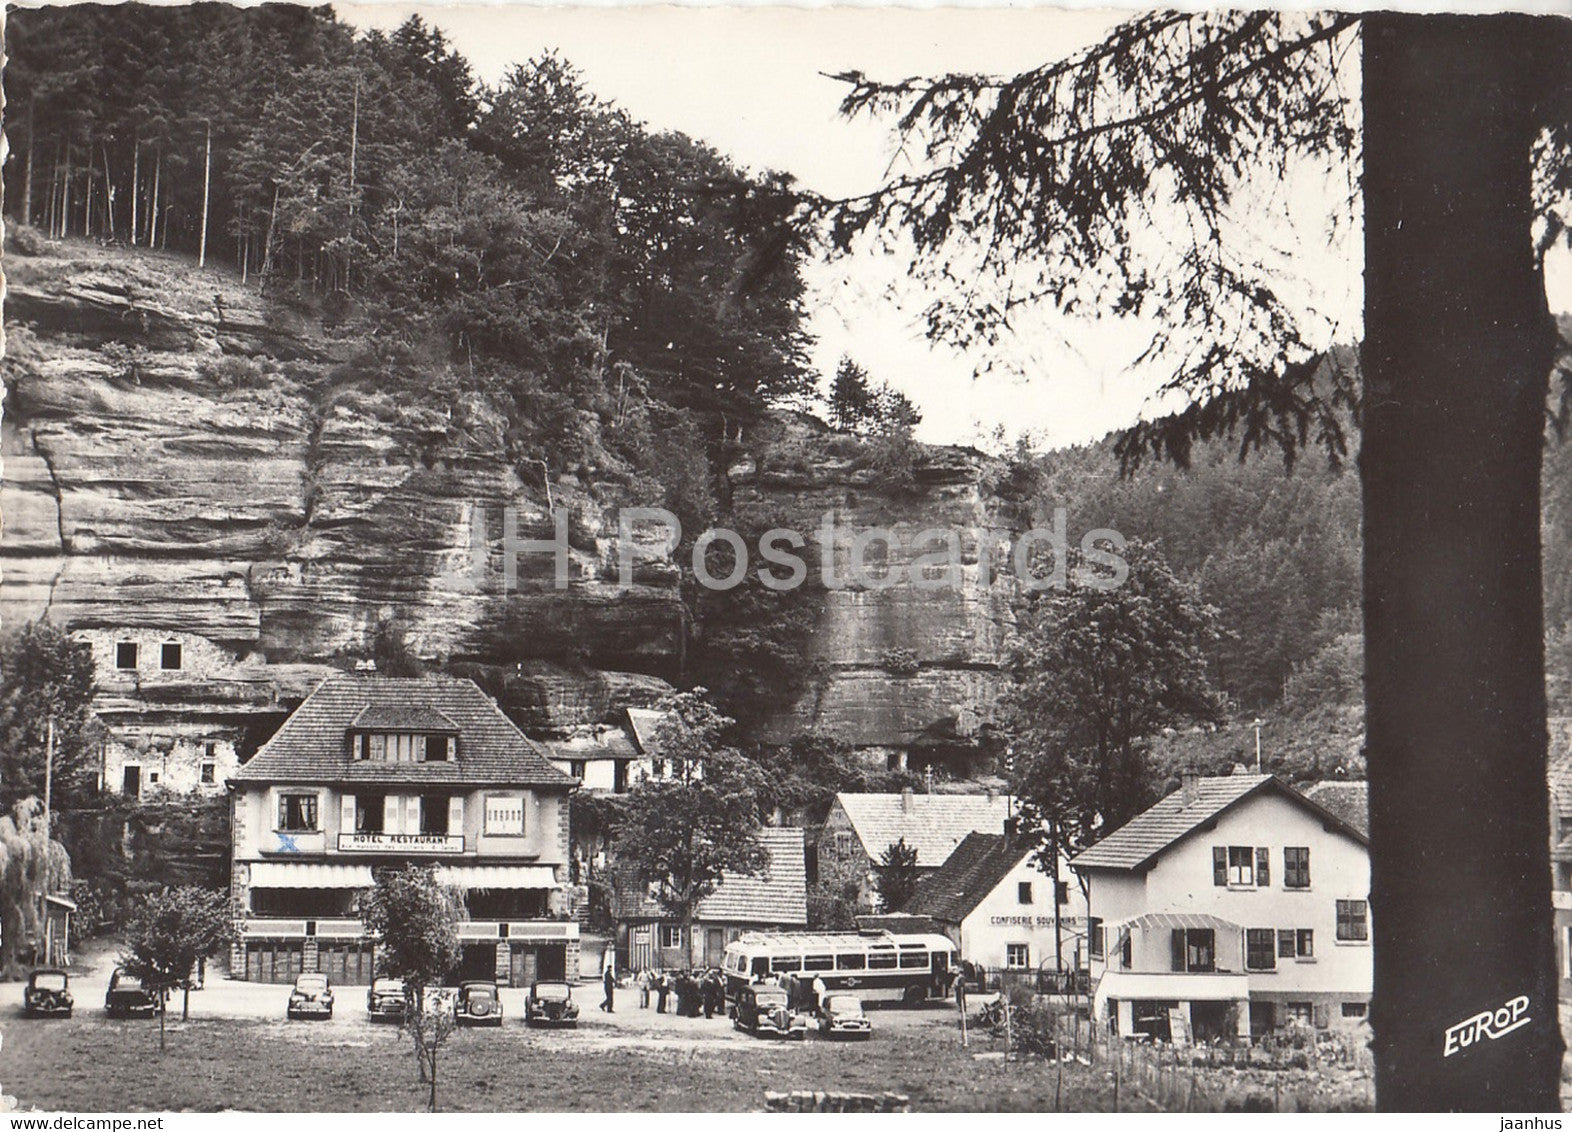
[49,772]
[1258,746]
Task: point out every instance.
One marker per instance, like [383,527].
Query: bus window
[914,957]
[761,967]
[850,961]
[786,963]
[881,959]
[818,963]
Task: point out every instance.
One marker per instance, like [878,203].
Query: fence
[1299,1070]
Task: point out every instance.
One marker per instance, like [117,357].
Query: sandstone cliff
[183,455]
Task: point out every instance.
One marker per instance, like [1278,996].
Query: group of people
[696,991]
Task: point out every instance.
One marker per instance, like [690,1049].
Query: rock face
[177,458]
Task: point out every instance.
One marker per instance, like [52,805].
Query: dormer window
[376,746]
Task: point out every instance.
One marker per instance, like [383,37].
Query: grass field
[89,1064]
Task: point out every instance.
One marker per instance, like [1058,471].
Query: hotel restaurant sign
[428,843]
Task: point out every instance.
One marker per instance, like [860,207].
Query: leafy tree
[46,676]
[1048,184]
[414,919]
[169,935]
[684,833]
[833,907]
[895,876]
[1095,673]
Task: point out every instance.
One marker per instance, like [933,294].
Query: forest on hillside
[525,242]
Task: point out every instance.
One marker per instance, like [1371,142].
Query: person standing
[820,993]
[960,990]
[662,988]
[610,981]
[644,988]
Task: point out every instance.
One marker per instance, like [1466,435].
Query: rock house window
[1351,922]
[504,815]
[125,654]
[209,771]
[1017,956]
[297,813]
[1296,867]
[576,768]
[169,656]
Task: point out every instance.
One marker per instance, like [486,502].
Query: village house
[374,771]
[776,900]
[861,827]
[612,758]
[1003,913]
[1233,906]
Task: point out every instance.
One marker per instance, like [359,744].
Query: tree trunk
[185,1003]
[152,204]
[163,1013]
[136,167]
[65,196]
[109,195]
[207,182]
[27,181]
[1456,359]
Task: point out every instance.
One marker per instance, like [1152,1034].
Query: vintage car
[385,1000]
[550,1003]
[127,996]
[478,1004]
[841,1016]
[764,1011]
[47,995]
[310,997]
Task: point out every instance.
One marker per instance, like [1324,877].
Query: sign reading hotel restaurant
[401,843]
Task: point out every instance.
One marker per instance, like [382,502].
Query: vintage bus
[876,966]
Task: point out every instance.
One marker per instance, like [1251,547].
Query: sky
[753,83]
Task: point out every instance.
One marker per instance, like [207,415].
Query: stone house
[861,827]
[376,771]
[1236,904]
[777,900]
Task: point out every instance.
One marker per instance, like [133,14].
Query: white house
[1001,909]
[1235,904]
[380,771]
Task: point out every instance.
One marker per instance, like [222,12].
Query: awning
[278,874]
[498,876]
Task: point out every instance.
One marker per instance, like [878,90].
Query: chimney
[1189,788]
[906,800]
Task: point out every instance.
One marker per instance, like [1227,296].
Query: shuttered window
[1219,865]
[1296,867]
[1260,949]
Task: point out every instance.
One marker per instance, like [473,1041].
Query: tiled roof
[645,724]
[311,746]
[977,867]
[1147,834]
[402,717]
[1348,800]
[933,824]
[779,897]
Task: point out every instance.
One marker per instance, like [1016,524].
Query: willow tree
[31,864]
[1126,181]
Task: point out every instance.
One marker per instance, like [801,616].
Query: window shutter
[411,814]
[1219,865]
[390,811]
[1304,867]
[346,813]
[1263,868]
[456,814]
[1285,943]
[1178,949]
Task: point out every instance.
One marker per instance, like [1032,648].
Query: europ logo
[1492,1024]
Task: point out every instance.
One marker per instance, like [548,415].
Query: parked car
[127,996]
[311,997]
[48,994]
[479,1004]
[550,1003]
[764,1011]
[386,1000]
[842,1016]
